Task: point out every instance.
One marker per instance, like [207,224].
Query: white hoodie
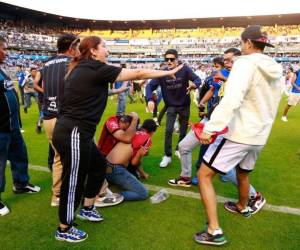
[249,106]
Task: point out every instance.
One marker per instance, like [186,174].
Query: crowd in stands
[31,44]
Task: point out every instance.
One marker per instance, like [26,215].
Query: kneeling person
[124,154]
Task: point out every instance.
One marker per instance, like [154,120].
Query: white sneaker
[177,154]
[165,161]
[284,119]
[109,200]
[55,202]
[3,209]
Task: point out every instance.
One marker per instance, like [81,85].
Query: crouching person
[124,154]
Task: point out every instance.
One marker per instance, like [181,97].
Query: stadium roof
[126,10]
[8,11]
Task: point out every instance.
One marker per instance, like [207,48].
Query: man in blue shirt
[176,95]
[294,97]
[12,145]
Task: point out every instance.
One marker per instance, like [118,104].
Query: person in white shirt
[201,72]
[248,108]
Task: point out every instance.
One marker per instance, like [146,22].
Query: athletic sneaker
[91,215]
[55,201]
[231,207]
[195,180]
[284,119]
[216,239]
[180,182]
[256,203]
[29,189]
[177,154]
[71,235]
[166,160]
[3,209]
[109,200]
[156,121]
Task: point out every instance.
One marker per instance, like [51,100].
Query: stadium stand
[34,40]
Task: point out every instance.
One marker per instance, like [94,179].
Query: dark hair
[85,51]
[65,41]
[33,68]
[172,52]
[258,45]
[235,51]
[218,60]
[291,68]
[2,39]
[125,118]
[123,65]
[149,125]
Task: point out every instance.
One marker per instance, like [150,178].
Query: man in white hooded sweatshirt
[249,106]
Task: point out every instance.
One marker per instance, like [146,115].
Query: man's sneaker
[195,180]
[109,200]
[216,239]
[55,201]
[177,154]
[180,182]
[231,207]
[3,209]
[91,215]
[71,235]
[256,203]
[166,160]
[29,189]
[284,119]
[156,121]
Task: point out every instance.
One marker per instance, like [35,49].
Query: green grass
[171,224]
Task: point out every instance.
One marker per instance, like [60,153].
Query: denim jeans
[121,103]
[231,176]
[184,115]
[13,148]
[28,99]
[134,189]
[185,147]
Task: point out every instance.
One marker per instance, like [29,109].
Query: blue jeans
[121,103]
[231,176]
[28,99]
[13,148]
[134,188]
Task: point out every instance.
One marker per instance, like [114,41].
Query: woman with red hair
[85,98]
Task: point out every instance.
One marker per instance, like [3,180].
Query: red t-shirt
[107,141]
[140,139]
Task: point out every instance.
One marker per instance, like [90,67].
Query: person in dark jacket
[12,145]
[176,95]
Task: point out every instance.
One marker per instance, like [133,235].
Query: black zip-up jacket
[9,105]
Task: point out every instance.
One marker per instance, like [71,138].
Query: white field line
[190,194]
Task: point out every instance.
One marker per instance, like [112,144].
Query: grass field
[171,224]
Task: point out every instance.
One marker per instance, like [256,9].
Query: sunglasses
[168,59]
